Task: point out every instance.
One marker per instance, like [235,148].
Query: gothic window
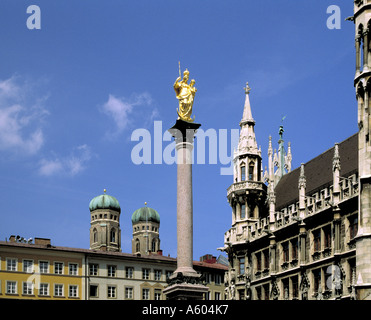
[316,280]
[251,171]
[327,237]
[359,40]
[243,211]
[137,245]
[242,265]
[243,173]
[285,251]
[286,289]
[353,227]
[258,262]
[317,240]
[294,249]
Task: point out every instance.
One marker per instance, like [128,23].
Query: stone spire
[247,114]
[288,158]
[282,160]
[247,142]
[336,174]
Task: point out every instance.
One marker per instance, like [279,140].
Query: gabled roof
[318,172]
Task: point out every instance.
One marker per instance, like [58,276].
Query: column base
[185,286]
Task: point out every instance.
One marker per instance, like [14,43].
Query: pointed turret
[246,192]
[247,114]
[247,142]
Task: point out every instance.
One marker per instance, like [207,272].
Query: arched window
[359,52]
[95,235]
[251,170]
[137,245]
[154,245]
[113,235]
[243,173]
[243,211]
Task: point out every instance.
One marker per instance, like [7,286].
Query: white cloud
[21,117]
[8,88]
[124,111]
[119,110]
[70,165]
[50,167]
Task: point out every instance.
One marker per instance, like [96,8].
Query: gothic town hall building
[304,234]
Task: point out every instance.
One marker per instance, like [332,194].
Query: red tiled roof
[111,254]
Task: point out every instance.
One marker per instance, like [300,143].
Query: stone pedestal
[185,283]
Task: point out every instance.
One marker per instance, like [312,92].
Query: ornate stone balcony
[240,187]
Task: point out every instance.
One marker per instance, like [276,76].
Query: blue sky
[72,93]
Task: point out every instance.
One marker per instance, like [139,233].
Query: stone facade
[29,271]
[305,234]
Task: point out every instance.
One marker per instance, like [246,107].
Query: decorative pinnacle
[104,190]
[247,88]
[145,203]
[302,179]
[336,158]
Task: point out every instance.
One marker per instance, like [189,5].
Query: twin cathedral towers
[105,232]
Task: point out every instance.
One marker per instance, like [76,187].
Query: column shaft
[184,208]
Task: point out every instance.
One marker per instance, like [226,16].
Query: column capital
[184,131]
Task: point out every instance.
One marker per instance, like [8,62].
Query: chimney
[42,241]
[159,252]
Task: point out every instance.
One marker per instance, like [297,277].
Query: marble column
[184,208]
[185,283]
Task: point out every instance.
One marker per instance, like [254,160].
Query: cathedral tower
[105,233]
[146,227]
[362,83]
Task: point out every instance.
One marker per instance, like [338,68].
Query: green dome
[104,201]
[145,214]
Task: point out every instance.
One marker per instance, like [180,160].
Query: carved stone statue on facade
[233,290]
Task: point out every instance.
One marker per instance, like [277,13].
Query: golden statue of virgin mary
[185,93]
